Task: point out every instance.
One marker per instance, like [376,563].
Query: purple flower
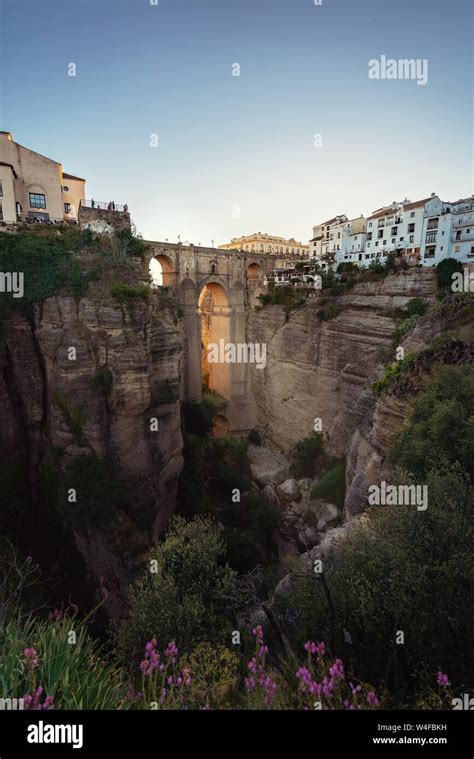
[442,679]
[337,670]
[31,657]
[372,699]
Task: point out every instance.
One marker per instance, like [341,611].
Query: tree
[186,594]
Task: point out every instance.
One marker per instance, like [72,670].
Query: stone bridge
[214,288]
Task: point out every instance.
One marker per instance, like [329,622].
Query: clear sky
[247,142]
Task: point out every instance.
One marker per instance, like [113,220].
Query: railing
[430,238]
[101,206]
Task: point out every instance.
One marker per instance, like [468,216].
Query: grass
[332,485]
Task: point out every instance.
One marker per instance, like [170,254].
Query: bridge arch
[162,271]
[214,311]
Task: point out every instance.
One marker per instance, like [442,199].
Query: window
[411,227]
[401,239]
[411,238]
[368,244]
[412,215]
[65,189]
[467,231]
[394,239]
[380,233]
[67,208]
[37,200]
[376,243]
[370,224]
[1,212]
[457,248]
[1,188]
[384,242]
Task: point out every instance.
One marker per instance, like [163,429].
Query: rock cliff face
[325,369]
[87,376]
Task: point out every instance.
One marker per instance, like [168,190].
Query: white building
[448,230]
[397,228]
[339,238]
[424,231]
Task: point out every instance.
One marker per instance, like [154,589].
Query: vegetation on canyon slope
[398,570]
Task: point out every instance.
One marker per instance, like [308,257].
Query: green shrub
[332,485]
[393,372]
[404,327]
[330,311]
[124,293]
[416,306]
[444,271]
[283,295]
[307,455]
[48,267]
[382,579]
[189,598]
[441,423]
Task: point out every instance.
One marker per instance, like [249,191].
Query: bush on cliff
[186,592]
[307,455]
[403,570]
[445,270]
[441,424]
[47,265]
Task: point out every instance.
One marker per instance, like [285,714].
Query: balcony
[463,237]
[431,238]
[101,206]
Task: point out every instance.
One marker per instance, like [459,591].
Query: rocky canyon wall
[87,376]
[325,369]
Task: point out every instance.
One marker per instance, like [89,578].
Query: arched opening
[254,274]
[221,426]
[215,336]
[162,273]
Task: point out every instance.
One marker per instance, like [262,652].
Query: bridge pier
[215,287]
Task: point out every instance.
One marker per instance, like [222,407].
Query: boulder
[327,514]
[266,467]
[289,491]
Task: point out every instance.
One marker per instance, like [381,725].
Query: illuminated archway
[214,312]
[162,273]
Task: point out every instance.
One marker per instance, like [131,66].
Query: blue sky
[248,141]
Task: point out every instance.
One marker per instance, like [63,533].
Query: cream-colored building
[33,186]
[265,243]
